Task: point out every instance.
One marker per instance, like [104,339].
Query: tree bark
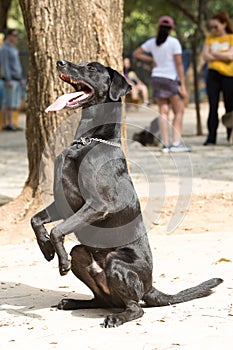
[196,83]
[76,31]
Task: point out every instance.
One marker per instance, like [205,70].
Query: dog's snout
[61,63]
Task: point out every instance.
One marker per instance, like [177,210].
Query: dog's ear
[118,86]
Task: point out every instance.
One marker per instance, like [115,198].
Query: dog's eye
[91,68]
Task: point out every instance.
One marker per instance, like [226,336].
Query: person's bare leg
[134,92]
[163,120]
[7,116]
[144,91]
[178,110]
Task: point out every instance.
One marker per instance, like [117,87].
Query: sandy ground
[187,206]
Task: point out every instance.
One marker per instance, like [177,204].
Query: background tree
[4,9]
[11,16]
[76,31]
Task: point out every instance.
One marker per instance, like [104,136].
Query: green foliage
[15,18]
[141,16]
[140,21]
[216,6]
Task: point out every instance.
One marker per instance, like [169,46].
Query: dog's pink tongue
[61,102]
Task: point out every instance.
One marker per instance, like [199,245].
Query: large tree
[73,30]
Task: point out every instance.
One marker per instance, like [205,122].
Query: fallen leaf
[222,260]
[176,344]
[230,311]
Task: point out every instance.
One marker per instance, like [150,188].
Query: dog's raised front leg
[85,216]
[45,216]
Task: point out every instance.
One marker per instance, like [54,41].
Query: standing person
[137,85]
[168,81]
[11,73]
[218,52]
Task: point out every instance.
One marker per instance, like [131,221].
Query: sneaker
[229,135]
[180,147]
[208,143]
[6,127]
[166,149]
[11,127]
[145,104]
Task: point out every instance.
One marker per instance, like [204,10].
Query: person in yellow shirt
[218,52]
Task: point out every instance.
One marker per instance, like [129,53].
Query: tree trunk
[76,31]
[196,84]
[4,8]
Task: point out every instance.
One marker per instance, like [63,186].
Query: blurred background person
[168,81]
[138,87]
[11,74]
[218,52]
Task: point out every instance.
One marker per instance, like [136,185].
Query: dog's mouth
[73,99]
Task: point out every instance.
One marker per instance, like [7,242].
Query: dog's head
[93,84]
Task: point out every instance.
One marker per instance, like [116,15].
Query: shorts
[164,87]
[11,96]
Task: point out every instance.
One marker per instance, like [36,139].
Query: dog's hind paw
[67,304]
[111,321]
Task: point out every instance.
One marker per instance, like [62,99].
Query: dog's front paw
[64,267]
[112,321]
[47,249]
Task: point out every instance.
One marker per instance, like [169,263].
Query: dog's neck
[101,121]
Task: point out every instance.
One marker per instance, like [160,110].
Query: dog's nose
[61,63]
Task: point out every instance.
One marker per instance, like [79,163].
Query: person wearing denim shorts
[11,73]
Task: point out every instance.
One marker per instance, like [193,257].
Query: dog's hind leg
[89,272]
[126,289]
[131,312]
[38,221]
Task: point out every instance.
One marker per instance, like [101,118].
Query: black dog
[150,136]
[95,197]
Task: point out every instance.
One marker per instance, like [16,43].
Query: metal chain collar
[88,140]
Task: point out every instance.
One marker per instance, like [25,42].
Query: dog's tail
[156,298]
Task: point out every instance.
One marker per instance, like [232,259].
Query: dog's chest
[66,191]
